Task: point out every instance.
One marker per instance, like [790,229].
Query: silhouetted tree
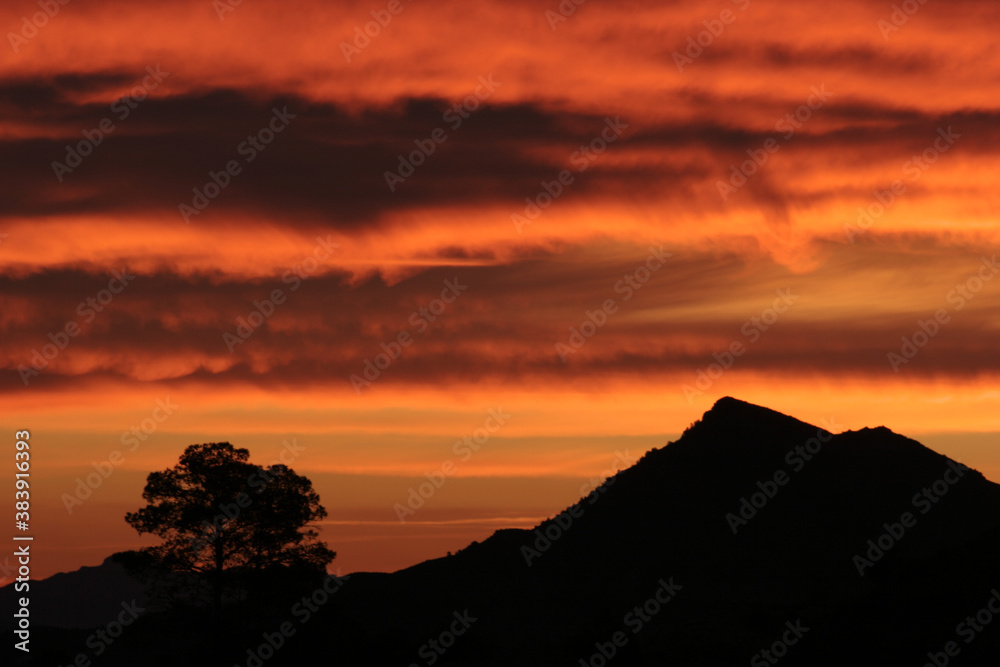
[220,515]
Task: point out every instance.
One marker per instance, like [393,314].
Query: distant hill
[753,532]
[84,599]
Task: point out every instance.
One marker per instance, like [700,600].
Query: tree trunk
[217,576]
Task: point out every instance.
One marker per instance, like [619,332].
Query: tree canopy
[217,513]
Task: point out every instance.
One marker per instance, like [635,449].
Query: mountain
[754,538]
[85,599]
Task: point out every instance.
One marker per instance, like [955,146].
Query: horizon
[436,480]
[522,241]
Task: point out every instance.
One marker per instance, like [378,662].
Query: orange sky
[688,198]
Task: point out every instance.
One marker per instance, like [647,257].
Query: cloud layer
[601,220]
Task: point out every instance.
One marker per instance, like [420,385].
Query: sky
[500,249]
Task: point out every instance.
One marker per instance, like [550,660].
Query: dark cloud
[504,326]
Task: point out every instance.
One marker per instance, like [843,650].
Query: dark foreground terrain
[754,539]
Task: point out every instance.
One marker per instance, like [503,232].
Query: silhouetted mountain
[753,528]
[84,599]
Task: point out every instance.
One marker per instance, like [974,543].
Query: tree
[220,515]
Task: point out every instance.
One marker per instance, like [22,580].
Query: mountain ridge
[752,518]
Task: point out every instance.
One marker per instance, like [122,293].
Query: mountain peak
[733,427]
[727,406]
[729,413]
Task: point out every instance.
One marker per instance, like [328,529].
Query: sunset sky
[557,222]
